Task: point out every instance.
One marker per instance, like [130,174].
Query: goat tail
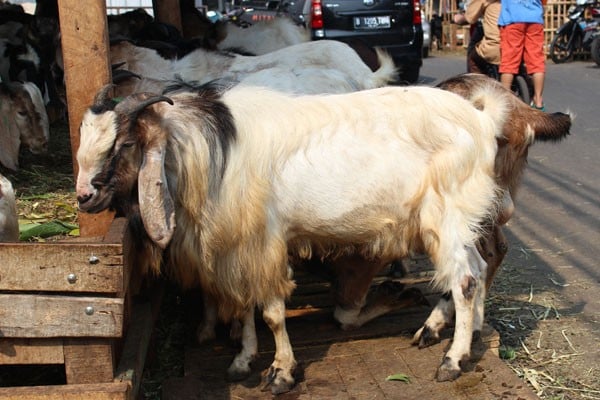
[551,127]
[494,106]
[387,71]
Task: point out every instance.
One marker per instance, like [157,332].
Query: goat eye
[127,144]
[22,113]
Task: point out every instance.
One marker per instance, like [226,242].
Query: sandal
[542,108]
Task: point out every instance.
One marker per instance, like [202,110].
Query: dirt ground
[546,338]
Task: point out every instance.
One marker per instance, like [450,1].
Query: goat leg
[279,375]
[492,248]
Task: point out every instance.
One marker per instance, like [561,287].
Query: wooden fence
[555,14]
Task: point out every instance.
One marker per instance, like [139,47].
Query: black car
[393,25]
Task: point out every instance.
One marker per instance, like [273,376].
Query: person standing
[522,39]
[486,50]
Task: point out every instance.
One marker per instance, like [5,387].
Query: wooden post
[84,39]
[168,11]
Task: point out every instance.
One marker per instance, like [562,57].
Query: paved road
[555,232]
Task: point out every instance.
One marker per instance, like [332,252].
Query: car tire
[425,52]
[595,50]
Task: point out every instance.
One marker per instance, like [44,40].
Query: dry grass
[537,337]
[44,185]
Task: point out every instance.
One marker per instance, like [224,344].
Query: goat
[129,24]
[9,223]
[30,51]
[264,36]
[342,71]
[24,122]
[332,66]
[229,184]
[523,127]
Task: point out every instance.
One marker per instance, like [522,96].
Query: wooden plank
[89,360]
[84,40]
[31,316]
[105,391]
[31,351]
[66,267]
[133,356]
[168,11]
[116,231]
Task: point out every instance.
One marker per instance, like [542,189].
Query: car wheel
[560,48]
[595,50]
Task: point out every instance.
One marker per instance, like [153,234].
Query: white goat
[234,182]
[524,126]
[24,122]
[325,66]
[263,37]
[9,223]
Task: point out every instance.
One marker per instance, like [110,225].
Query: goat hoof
[236,374]
[447,371]
[278,381]
[204,335]
[426,337]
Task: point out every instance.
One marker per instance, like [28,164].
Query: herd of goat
[234,168]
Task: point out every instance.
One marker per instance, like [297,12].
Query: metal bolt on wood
[93,260]
[71,278]
[89,310]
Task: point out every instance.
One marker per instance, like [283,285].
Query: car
[426,35]
[395,26]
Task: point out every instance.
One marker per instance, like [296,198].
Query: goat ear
[10,142]
[156,204]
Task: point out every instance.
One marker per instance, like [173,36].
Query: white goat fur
[264,36]
[383,172]
[324,66]
[24,122]
[9,222]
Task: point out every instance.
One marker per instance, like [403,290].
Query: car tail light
[316,14]
[417,12]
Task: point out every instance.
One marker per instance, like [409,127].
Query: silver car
[426,35]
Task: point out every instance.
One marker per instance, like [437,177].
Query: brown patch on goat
[523,127]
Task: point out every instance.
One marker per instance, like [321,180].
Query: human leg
[538,79]
[535,60]
[511,52]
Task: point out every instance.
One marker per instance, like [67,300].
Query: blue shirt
[528,11]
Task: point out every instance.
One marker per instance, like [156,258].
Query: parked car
[395,26]
[426,35]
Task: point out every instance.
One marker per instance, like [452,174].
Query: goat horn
[102,95]
[132,108]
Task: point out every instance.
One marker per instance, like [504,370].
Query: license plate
[381,22]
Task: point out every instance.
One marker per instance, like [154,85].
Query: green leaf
[398,377]
[46,229]
[507,353]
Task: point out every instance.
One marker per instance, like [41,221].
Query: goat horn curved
[103,94]
[133,107]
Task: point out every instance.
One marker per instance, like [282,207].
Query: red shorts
[522,41]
